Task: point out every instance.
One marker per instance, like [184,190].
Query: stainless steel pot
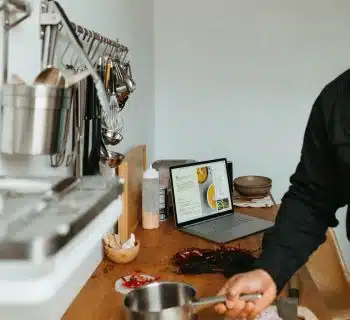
[167,301]
[33,119]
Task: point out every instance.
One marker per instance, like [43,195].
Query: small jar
[150,199]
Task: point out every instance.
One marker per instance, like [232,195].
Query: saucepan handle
[220,299]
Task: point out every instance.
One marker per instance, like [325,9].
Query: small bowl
[253,186]
[253,181]
[122,255]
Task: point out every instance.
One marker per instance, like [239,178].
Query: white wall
[132,23]
[238,78]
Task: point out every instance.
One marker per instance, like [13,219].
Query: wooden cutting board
[131,170]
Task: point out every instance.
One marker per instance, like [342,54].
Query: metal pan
[168,301]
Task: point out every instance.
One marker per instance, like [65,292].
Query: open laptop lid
[200,191]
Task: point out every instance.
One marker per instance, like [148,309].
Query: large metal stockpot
[34,118]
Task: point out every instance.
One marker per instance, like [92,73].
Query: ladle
[111,137]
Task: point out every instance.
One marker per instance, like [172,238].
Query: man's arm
[308,208]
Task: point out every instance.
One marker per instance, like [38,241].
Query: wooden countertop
[98,299]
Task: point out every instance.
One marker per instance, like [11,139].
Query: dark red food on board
[224,259]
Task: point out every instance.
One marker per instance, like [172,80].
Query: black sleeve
[308,208]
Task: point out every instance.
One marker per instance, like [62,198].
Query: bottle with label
[150,199]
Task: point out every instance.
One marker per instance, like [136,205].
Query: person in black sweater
[319,186]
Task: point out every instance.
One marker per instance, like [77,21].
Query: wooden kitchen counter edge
[98,299]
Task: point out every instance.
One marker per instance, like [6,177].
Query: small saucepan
[168,301]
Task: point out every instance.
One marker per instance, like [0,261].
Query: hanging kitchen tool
[123,54]
[111,137]
[53,76]
[112,119]
[76,134]
[127,76]
[121,87]
[89,121]
[88,125]
[108,73]
[110,158]
[81,93]
[94,156]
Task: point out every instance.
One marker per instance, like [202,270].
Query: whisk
[111,118]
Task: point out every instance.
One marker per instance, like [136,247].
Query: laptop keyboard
[223,223]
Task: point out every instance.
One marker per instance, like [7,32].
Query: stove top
[33,229]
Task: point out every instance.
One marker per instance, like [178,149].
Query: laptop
[203,203]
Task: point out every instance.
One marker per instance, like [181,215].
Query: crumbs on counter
[108,267]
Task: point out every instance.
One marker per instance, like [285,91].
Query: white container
[150,199]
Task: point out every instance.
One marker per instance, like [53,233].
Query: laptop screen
[200,191]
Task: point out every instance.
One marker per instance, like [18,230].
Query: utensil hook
[96,50]
[92,37]
[81,38]
[110,53]
[64,52]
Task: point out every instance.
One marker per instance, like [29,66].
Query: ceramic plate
[119,287]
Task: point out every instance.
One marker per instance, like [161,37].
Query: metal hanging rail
[81,30]
[50,17]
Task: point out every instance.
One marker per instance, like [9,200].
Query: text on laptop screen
[201,190]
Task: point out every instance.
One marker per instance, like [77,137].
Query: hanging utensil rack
[50,17]
[96,53]
[90,46]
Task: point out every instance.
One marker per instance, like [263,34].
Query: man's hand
[257,281]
